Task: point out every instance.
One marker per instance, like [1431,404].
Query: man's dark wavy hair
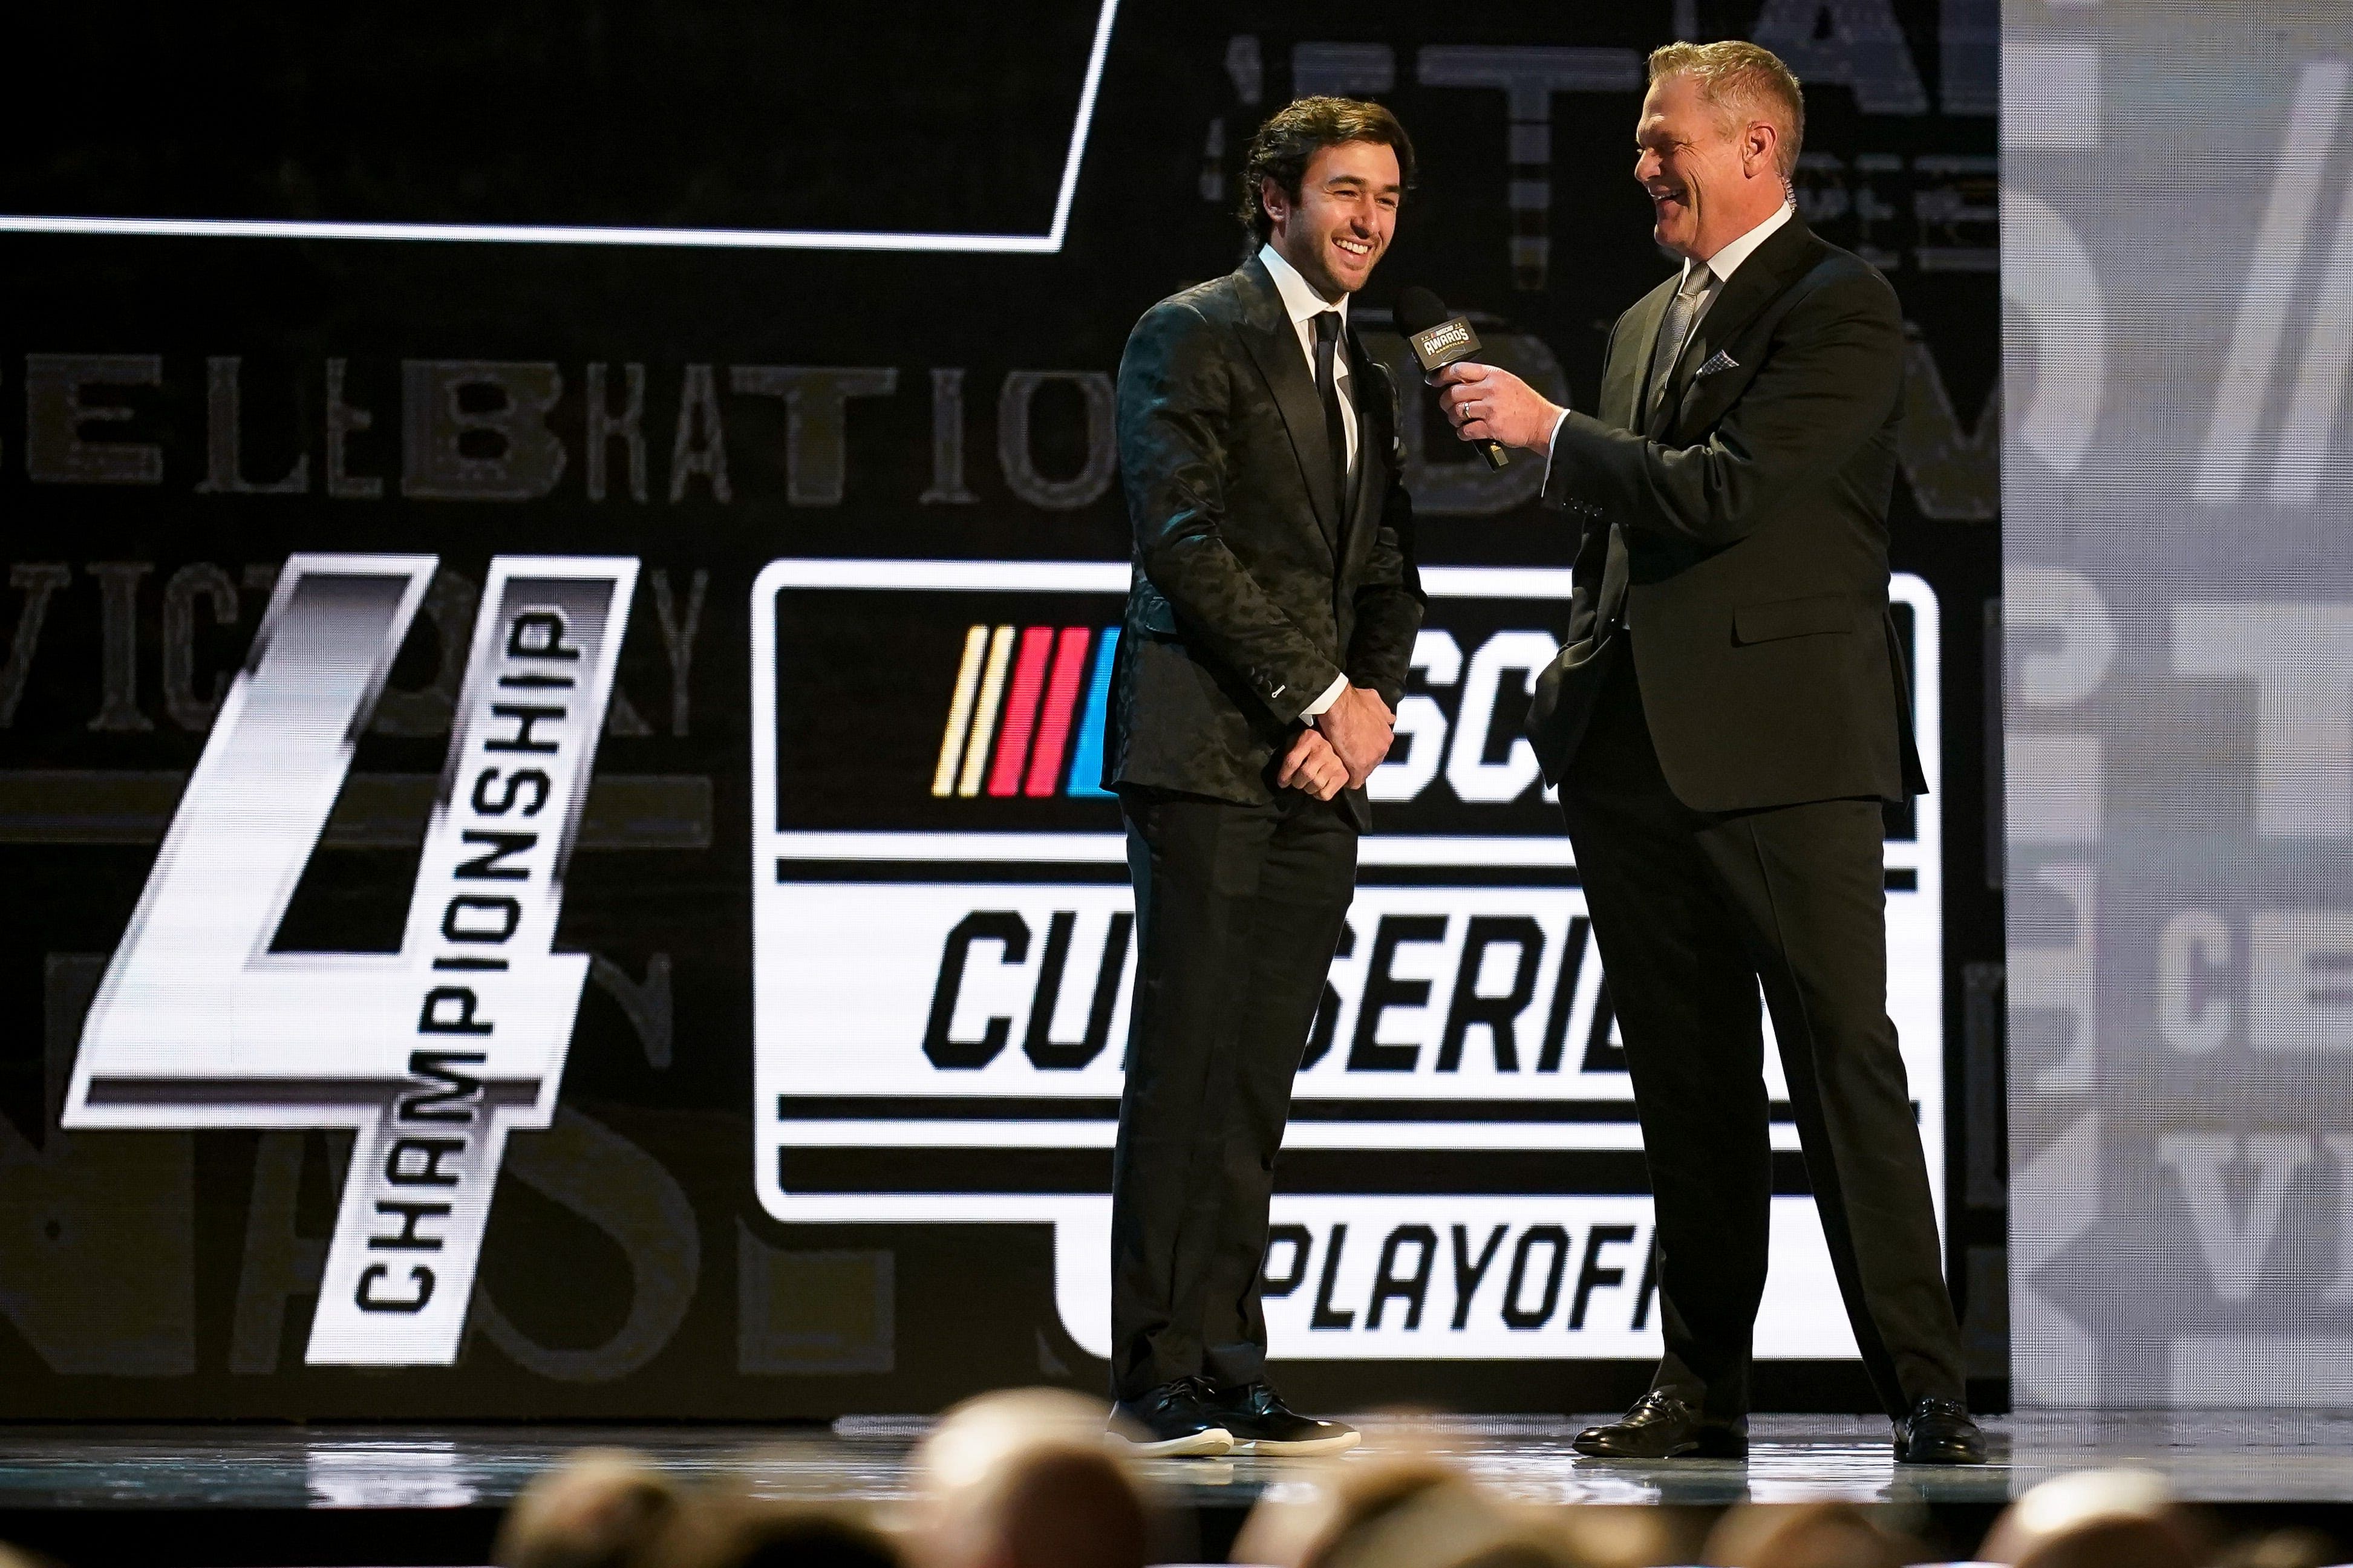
[1290,138]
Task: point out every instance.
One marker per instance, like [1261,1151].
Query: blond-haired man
[1724,723]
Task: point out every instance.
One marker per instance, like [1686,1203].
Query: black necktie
[1327,387]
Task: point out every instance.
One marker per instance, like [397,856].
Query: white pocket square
[1722,361]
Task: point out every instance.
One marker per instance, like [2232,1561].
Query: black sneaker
[1260,1421]
[1170,1421]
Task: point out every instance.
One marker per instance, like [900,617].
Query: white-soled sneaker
[1261,1422]
[1170,1422]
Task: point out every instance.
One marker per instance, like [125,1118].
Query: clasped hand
[1346,743]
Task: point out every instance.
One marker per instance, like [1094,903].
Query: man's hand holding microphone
[1490,409]
[1491,405]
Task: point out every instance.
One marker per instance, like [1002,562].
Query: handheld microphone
[1439,340]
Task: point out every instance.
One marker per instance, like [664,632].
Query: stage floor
[2287,1458]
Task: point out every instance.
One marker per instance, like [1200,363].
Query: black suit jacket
[1744,532]
[1254,585]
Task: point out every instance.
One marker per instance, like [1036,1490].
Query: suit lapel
[1626,380]
[1369,394]
[1625,386]
[1273,344]
[1759,282]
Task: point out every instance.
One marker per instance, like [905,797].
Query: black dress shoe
[1940,1432]
[1662,1426]
[1170,1420]
[1260,1420]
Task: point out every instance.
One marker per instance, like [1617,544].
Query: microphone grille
[1418,309]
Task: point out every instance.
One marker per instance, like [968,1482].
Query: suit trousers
[1691,912]
[1239,909]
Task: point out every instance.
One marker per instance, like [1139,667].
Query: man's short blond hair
[1743,83]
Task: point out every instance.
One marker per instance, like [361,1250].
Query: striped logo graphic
[1016,724]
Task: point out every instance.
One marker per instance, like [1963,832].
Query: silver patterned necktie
[1682,311]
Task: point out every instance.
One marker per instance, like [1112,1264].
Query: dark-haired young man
[1269,625]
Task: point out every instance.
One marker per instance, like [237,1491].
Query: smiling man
[1270,621]
[1726,723]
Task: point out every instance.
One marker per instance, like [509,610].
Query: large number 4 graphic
[433,1053]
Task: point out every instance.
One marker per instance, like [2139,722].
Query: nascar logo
[1029,714]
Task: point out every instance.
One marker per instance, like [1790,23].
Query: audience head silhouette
[1023,1479]
[2097,1519]
[600,1508]
[1803,1535]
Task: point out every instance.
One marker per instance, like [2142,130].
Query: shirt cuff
[1550,445]
[1322,704]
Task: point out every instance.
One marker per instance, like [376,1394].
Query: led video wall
[2178,256]
[551,679]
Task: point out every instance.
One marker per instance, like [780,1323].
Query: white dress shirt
[1719,269]
[1726,261]
[1304,305]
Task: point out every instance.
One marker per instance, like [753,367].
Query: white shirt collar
[1301,302]
[1726,261]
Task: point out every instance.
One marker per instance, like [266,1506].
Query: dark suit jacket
[1254,586]
[1745,533]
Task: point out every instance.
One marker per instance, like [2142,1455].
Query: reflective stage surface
[2286,1458]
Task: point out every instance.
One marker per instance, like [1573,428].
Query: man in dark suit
[1726,722]
[1268,630]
